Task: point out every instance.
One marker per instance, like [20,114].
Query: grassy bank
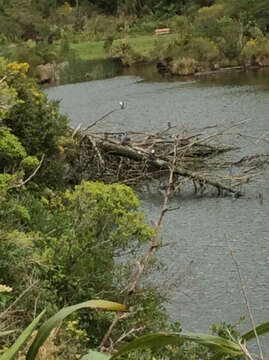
[142,45]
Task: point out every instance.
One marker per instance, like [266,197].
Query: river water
[201,279]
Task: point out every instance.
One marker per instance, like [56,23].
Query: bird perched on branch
[124,139]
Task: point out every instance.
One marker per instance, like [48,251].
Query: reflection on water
[202,230]
[87,70]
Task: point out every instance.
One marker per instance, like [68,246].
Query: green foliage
[206,22]
[108,43]
[20,20]
[71,240]
[11,352]
[29,162]
[50,324]
[35,54]
[124,50]
[179,24]
[10,146]
[260,330]
[91,224]
[33,119]
[16,252]
[256,49]
[6,180]
[184,66]
[31,125]
[8,97]
[219,346]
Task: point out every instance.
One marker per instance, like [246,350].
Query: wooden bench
[163,31]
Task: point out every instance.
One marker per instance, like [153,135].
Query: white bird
[122,104]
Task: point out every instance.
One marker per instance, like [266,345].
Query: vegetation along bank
[204,35]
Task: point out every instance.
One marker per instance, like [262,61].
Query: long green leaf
[52,322]
[5,333]
[148,341]
[218,355]
[215,343]
[11,352]
[95,355]
[260,329]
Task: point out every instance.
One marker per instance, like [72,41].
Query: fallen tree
[135,157]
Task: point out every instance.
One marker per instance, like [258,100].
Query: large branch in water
[137,155]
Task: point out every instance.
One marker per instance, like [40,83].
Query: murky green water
[203,286]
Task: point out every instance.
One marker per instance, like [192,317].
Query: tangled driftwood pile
[134,158]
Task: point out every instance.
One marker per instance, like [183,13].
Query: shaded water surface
[203,286]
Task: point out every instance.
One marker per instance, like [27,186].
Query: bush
[184,66]
[256,50]
[124,50]
[31,125]
[108,43]
[206,22]
[202,50]
[10,147]
[230,40]
[179,23]
[99,27]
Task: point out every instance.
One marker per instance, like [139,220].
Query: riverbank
[182,52]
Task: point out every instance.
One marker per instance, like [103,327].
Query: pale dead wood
[100,119]
[142,264]
[2,314]
[3,79]
[245,350]
[128,333]
[143,157]
[139,154]
[30,177]
[251,316]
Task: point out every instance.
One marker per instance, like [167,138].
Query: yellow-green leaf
[52,322]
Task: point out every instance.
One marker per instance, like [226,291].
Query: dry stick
[245,350]
[76,130]
[242,345]
[158,228]
[145,260]
[244,292]
[100,119]
[218,133]
[18,298]
[125,335]
[3,79]
[117,318]
[30,177]
[92,140]
[159,163]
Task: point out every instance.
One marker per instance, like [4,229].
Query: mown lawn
[143,45]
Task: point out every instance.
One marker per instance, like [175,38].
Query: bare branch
[2,314]
[30,177]
[3,79]
[245,295]
[100,119]
[142,264]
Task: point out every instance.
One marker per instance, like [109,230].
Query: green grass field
[143,45]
